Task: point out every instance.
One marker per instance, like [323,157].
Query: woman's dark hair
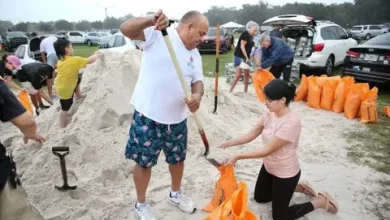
[277,89]
[60,46]
[4,57]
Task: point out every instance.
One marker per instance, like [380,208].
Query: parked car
[75,37]
[30,52]
[96,38]
[209,43]
[369,61]
[384,28]
[119,43]
[316,46]
[366,31]
[13,39]
[265,28]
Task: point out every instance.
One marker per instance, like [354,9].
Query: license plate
[371,57]
[366,69]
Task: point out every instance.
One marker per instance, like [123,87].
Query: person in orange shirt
[278,179]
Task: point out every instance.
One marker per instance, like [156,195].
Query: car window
[325,34]
[17,51]
[357,28]
[341,33]
[111,42]
[333,35]
[75,34]
[92,34]
[383,39]
[375,28]
[120,41]
[20,53]
[365,28]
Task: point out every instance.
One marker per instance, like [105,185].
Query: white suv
[321,45]
[367,31]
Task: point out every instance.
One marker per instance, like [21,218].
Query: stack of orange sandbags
[339,95]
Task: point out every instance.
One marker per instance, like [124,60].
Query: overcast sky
[75,10]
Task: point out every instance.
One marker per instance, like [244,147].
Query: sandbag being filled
[224,187]
[314,96]
[368,110]
[340,94]
[260,79]
[235,208]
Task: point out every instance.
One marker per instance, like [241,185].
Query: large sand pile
[98,133]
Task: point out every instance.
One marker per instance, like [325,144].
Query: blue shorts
[147,138]
[238,61]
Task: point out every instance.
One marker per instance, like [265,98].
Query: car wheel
[89,43]
[368,36]
[329,66]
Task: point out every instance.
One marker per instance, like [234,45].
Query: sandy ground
[98,134]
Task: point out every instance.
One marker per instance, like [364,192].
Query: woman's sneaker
[143,212]
[181,201]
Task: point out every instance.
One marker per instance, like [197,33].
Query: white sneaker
[144,213]
[182,201]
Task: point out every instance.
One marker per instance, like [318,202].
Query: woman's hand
[231,160]
[224,145]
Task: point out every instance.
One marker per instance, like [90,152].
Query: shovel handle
[180,74]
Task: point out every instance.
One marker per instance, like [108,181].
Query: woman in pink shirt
[278,179]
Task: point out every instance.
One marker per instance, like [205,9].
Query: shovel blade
[213,162]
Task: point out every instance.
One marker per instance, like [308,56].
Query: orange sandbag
[314,96]
[354,99]
[340,94]
[24,99]
[303,89]
[235,208]
[260,79]
[386,111]
[368,110]
[328,94]
[323,79]
[224,187]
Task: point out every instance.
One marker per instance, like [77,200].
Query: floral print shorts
[148,138]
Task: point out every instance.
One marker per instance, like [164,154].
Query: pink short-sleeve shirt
[282,163]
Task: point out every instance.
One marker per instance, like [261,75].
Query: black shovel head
[213,162]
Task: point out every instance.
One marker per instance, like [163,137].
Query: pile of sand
[98,133]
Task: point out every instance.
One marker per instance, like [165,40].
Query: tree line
[344,14]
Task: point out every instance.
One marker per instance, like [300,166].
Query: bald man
[160,106]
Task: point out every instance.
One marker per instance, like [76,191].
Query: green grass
[209,63]
[79,50]
[371,146]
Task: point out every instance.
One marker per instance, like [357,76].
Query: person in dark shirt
[13,198]
[33,76]
[242,53]
[277,56]
[276,31]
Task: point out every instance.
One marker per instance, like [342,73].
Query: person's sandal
[307,189]
[331,201]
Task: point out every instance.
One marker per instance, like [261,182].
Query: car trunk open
[300,39]
[34,46]
[298,31]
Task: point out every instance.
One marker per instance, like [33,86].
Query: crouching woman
[278,179]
